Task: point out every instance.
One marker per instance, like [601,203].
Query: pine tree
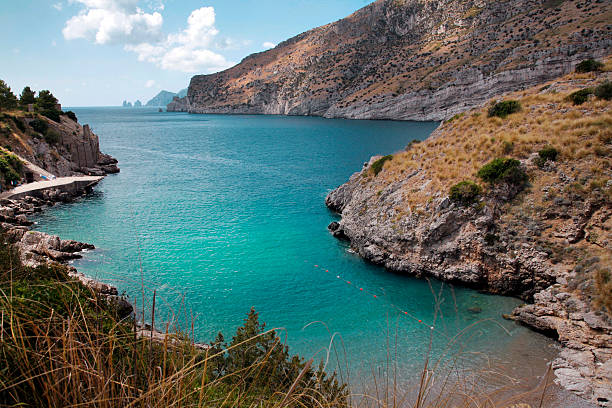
[8,100]
[27,97]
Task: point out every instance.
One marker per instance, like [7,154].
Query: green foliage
[581,96]
[10,167]
[504,108]
[46,104]
[465,192]
[39,125]
[52,137]
[503,170]
[377,166]
[604,91]
[589,65]
[27,97]
[52,114]
[548,153]
[71,115]
[19,123]
[8,100]
[46,101]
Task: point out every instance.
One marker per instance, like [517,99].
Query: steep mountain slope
[410,59]
[541,231]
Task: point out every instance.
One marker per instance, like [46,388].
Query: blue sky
[100,52]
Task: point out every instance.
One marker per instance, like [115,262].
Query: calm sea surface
[223,213]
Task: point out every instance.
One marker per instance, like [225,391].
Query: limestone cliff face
[410,59]
[549,243]
[74,150]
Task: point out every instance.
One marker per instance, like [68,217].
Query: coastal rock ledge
[547,241]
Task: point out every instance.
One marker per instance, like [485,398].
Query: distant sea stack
[410,60]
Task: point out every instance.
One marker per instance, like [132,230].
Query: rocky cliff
[547,241]
[410,59]
[62,148]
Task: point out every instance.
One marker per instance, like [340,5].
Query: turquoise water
[224,213]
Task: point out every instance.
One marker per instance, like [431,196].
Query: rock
[325,71]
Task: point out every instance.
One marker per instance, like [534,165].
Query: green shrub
[504,108]
[549,153]
[465,192]
[71,115]
[581,96]
[589,65]
[52,137]
[508,147]
[604,91]
[503,170]
[10,167]
[39,125]
[377,166]
[52,114]
[19,123]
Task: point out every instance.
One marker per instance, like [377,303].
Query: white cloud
[268,44]
[123,22]
[150,83]
[188,50]
[113,22]
[58,6]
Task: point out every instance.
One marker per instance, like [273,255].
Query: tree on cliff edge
[46,104]
[28,96]
[8,100]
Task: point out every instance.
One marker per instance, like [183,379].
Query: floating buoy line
[375,296]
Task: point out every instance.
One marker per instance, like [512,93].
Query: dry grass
[461,146]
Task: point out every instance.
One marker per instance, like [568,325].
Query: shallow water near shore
[219,214]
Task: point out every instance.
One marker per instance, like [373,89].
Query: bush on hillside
[71,115]
[39,125]
[504,108]
[581,96]
[503,170]
[19,123]
[377,166]
[10,167]
[52,114]
[546,154]
[589,65]
[52,137]
[465,192]
[604,91]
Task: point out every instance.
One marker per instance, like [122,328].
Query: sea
[218,214]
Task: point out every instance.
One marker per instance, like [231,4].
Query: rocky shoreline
[543,244]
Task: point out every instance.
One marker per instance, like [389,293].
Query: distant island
[165,97]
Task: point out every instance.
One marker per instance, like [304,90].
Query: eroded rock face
[446,241]
[411,60]
[584,366]
[76,152]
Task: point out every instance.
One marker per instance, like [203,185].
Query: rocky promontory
[409,60]
[541,231]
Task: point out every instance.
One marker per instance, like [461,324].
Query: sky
[102,52]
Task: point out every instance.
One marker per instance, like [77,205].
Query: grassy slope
[581,133]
